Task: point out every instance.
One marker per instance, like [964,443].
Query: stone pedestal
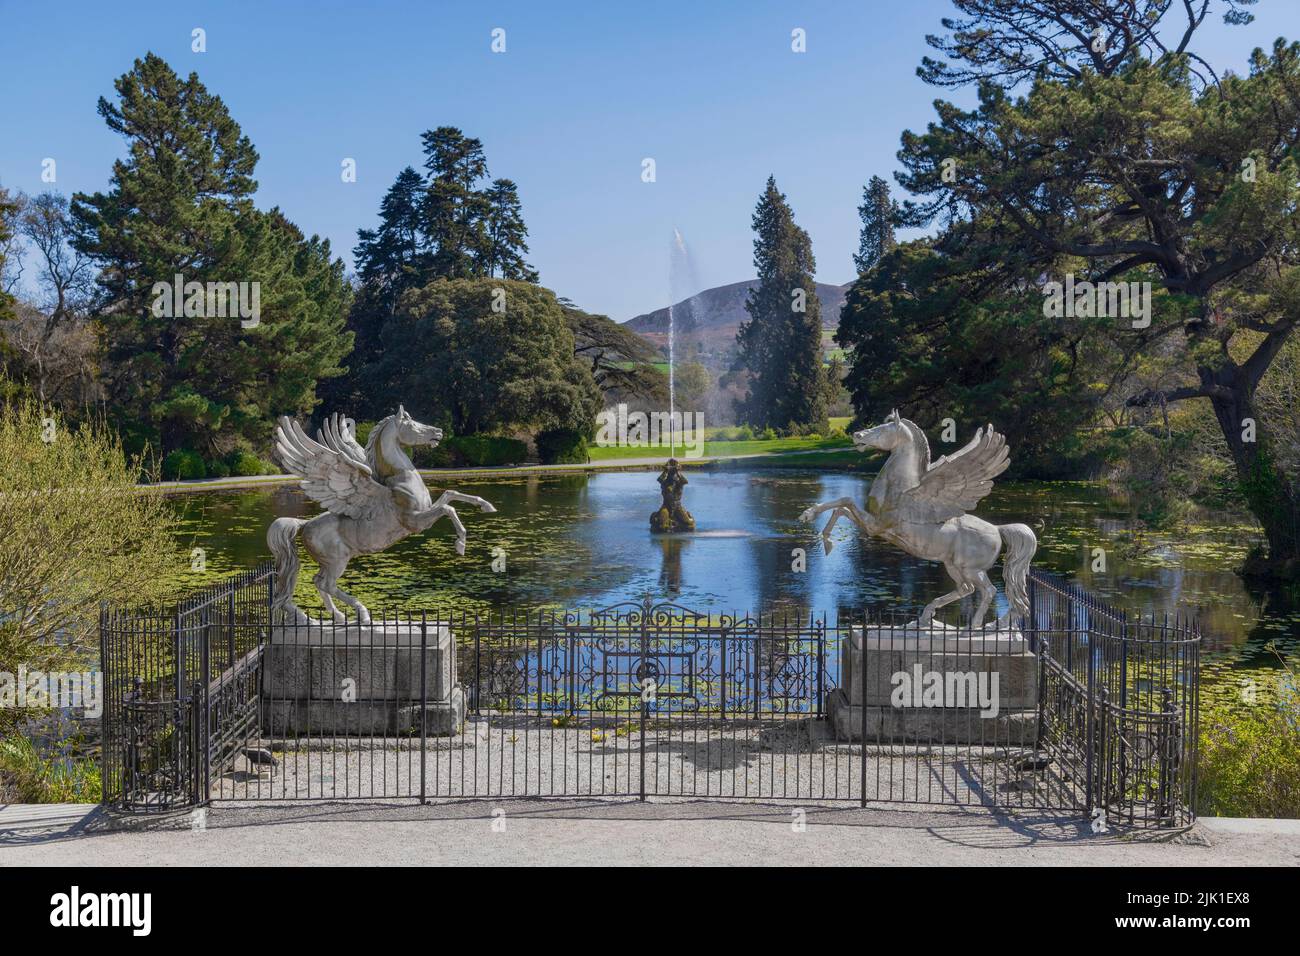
[936,685]
[360,680]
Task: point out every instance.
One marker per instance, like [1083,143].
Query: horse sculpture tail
[1021,545]
[280,537]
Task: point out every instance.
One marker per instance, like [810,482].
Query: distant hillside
[723,308]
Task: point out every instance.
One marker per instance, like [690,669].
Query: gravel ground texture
[623,833]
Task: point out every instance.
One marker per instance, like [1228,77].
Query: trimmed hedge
[472,451]
[183,465]
[562,446]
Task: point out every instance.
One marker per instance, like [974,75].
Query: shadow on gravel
[973,827]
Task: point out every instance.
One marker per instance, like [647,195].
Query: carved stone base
[936,685]
[360,680]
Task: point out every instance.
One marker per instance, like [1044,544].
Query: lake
[583,541]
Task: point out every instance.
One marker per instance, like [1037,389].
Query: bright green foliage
[486,355]
[35,777]
[184,464]
[780,343]
[1249,759]
[181,204]
[75,530]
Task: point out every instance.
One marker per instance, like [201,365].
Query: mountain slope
[723,307]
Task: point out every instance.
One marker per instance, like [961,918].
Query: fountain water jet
[683,286]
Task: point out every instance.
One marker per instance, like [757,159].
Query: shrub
[562,446]
[484,450]
[441,456]
[103,540]
[217,468]
[475,451]
[183,465]
[361,431]
[768,434]
[1249,757]
[245,463]
[36,778]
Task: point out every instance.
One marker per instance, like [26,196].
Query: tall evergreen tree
[780,343]
[180,203]
[878,213]
[441,224]
[389,260]
[507,236]
[454,210]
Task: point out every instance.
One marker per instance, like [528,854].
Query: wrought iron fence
[1080,708]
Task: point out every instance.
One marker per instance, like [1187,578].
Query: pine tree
[780,343]
[389,260]
[454,211]
[878,213]
[507,236]
[180,203]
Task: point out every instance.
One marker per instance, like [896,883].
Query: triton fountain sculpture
[671,516]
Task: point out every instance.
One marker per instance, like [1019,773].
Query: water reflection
[580,540]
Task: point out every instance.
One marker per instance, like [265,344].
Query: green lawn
[725,449]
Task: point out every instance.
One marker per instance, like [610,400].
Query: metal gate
[210,701]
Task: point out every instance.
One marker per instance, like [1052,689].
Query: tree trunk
[1269,491]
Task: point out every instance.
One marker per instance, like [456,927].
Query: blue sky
[582,94]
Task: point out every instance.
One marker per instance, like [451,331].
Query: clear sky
[584,92]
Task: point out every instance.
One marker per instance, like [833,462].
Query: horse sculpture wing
[336,435]
[338,481]
[955,483]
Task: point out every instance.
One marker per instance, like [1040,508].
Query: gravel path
[521,756]
[626,833]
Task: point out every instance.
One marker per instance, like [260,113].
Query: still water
[583,541]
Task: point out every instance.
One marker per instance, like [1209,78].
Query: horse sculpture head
[411,432]
[884,437]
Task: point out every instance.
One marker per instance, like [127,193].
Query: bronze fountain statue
[671,516]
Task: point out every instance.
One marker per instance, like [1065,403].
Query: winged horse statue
[373,497]
[921,506]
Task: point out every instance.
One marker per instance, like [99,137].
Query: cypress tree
[780,343]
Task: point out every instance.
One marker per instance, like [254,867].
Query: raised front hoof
[828,545]
[488,508]
[808,515]
[460,546]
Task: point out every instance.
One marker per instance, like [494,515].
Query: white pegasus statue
[373,497]
[921,506]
